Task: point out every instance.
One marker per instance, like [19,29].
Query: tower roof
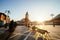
[27,13]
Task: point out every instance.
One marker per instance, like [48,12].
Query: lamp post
[8,12]
[53,20]
[7,21]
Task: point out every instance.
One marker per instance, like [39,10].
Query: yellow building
[4,19]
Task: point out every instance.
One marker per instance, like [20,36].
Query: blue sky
[39,10]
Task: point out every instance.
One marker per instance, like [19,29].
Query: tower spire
[27,15]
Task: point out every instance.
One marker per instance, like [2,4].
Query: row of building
[26,21]
[55,20]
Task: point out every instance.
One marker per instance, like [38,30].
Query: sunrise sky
[39,10]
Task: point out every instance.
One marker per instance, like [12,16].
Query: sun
[40,19]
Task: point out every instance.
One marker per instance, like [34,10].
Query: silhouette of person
[5,25]
[12,26]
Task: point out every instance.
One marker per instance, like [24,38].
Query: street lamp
[53,20]
[7,21]
[8,12]
[52,15]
